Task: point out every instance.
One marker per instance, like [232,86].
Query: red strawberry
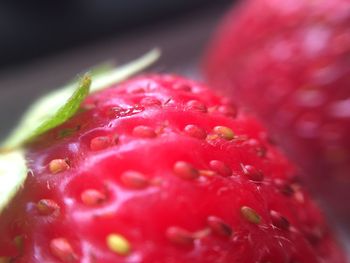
[290,62]
[158,169]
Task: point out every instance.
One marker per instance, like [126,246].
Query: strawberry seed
[118,244]
[185,170]
[58,165]
[179,236]
[250,215]
[218,226]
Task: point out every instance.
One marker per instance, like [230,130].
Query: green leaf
[123,72]
[67,110]
[13,172]
[58,106]
[49,112]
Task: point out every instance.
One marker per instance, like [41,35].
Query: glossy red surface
[208,208]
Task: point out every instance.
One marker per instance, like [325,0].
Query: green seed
[250,215]
[224,132]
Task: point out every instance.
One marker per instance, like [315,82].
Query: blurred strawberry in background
[289,61]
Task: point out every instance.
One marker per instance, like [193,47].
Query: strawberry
[289,61]
[159,169]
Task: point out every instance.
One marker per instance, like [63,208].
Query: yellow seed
[224,132]
[58,165]
[118,244]
[250,215]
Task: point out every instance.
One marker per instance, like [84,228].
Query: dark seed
[252,173]
[218,226]
[185,170]
[47,207]
[279,221]
[179,236]
[61,249]
[134,180]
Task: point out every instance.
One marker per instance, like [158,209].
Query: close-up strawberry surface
[289,62]
[160,169]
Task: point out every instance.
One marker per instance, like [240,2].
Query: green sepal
[13,172]
[67,110]
[48,112]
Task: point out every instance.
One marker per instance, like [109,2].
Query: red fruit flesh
[289,61]
[164,193]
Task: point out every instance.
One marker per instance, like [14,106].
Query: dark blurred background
[31,29]
[43,44]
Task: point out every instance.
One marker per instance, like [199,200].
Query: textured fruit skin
[171,195]
[289,61]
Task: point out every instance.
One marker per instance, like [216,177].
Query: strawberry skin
[289,61]
[159,169]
